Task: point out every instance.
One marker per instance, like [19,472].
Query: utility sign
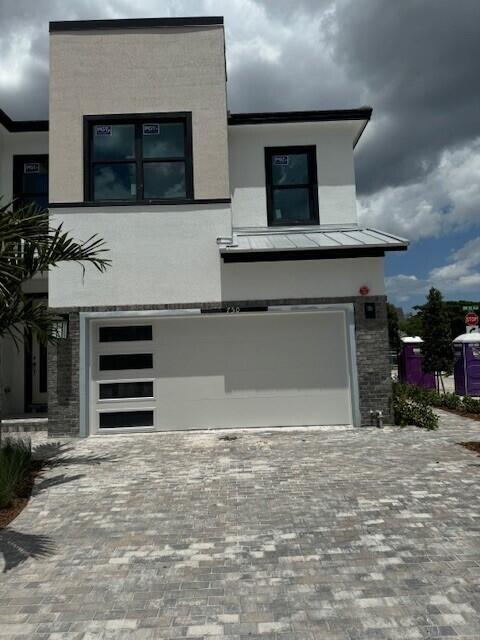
[103,130]
[151,129]
[280,161]
[31,167]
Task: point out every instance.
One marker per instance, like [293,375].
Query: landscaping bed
[17,476]
[473,446]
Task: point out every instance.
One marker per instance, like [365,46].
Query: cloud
[446,200]
[459,276]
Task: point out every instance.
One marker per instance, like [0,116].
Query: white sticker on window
[103,130]
[280,161]
[31,167]
[133,189]
[151,129]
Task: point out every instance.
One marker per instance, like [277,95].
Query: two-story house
[242,290]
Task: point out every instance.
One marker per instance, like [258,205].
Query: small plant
[408,412]
[432,398]
[15,459]
[470,405]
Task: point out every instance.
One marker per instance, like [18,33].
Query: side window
[30,180]
[291,181]
[139,159]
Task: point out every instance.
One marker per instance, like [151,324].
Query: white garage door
[236,370]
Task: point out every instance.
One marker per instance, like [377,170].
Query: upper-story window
[139,158]
[30,180]
[291,180]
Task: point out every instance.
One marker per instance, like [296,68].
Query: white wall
[336,178]
[159,255]
[302,279]
[165,255]
[11,144]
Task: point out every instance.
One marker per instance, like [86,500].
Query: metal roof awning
[306,243]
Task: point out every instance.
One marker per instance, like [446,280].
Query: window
[119,361]
[115,390]
[125,334]
[291,180]
[120,419]
[133,158]
[30,180]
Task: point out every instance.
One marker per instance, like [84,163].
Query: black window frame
[312,185]
[20,196]
[138,120]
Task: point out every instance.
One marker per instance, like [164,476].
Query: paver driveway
[300,534]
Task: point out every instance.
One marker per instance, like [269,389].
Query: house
[242,290]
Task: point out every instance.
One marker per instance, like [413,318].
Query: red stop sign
[471,319]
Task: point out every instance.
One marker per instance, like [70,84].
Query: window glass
[113,390]
[119,419]
[291,168]
[291,205]
[119,361]
[164,180]
[114,182]
[35,178]
[140,159]
[124,333]
[113,142]
[164,140]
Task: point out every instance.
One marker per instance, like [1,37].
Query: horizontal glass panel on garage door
[125,419]
[121,390]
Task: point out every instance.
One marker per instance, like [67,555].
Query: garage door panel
[254,412]
[244,370]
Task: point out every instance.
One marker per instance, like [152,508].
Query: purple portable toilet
[410,364]
[467,364]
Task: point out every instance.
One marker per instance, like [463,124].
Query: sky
[416,62]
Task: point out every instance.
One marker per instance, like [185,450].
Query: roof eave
[22,126]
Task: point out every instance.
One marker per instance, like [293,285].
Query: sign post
[471,322]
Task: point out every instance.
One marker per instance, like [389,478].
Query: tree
[437,347]
[29,246]
[393,328]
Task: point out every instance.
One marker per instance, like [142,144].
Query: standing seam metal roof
[287,239]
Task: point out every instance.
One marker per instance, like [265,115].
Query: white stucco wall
[336,177]
[167,255]
[11,144]
[302,279]
[159,255]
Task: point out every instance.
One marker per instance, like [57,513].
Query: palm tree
[30,246]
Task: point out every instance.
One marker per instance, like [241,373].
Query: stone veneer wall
[371,337]
[373,360]
[63,382]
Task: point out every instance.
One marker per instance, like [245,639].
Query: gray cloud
[418,62]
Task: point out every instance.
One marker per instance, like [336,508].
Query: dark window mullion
[176,159]
[139,159]
[305,185]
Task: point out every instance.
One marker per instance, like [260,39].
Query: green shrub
[408,412]
[435,399]
[15,459]
[470,405]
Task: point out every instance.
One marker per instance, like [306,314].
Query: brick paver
[326,534]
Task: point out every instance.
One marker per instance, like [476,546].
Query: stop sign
[471,319]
